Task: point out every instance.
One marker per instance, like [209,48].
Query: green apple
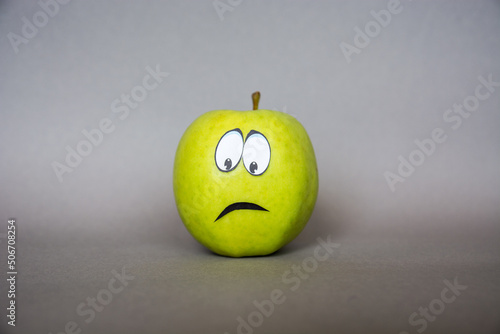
[245,182]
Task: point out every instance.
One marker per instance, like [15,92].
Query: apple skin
[287,189]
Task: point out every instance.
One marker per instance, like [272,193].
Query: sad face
[245,182]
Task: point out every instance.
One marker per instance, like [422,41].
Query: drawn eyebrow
[253,132]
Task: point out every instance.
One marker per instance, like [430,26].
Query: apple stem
[255,100]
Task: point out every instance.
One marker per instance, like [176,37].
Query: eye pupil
[253,167]
[228,164]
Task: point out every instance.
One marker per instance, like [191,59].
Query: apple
[245,182]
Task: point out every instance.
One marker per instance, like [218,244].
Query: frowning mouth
[240,206]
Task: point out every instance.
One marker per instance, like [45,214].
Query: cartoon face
[255,153]
[245,182]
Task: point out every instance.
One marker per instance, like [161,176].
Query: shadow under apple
[330,217]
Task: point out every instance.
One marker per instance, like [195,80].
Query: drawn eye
[229,150]
[256,153]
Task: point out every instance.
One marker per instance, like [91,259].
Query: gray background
[116,208]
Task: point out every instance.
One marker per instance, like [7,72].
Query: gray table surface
[373,281]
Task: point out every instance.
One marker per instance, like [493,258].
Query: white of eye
[229,150]
[256,153]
